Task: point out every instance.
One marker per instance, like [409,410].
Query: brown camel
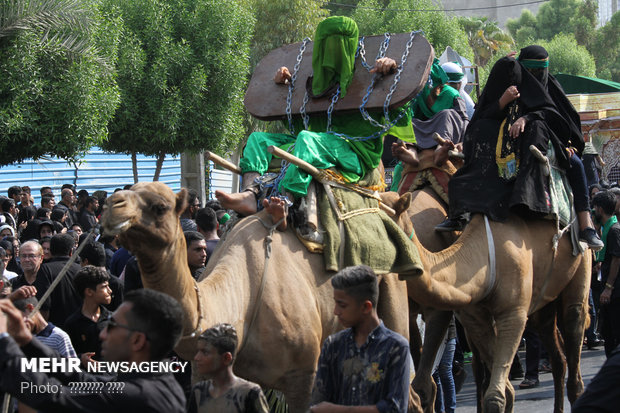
[280,348]
[494,310]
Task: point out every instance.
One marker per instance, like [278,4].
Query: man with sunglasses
[144,328]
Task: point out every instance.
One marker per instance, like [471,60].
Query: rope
[63,272]
[263,281]
[198,330]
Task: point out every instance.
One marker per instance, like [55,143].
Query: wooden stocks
[218,160]
[313,171]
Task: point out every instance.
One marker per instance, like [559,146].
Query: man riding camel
[333,62]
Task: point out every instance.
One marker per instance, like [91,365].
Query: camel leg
[478,325]
[573,322]
[544,321]
[497,349]
[437,323]
[297,391]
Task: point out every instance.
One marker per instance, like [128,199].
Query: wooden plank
[266,100]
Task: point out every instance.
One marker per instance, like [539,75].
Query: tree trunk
[158,165]
[134,166]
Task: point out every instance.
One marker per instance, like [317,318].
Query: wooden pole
[218,160]
[313,171]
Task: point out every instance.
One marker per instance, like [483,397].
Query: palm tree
[64,23]
[485,38]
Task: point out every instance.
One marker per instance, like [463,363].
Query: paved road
[539,399]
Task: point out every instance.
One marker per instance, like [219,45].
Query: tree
[182,70]
[284,22]
[56,95]
[404,16]
[566,56]
[485,38]
[606,49]
[554,17]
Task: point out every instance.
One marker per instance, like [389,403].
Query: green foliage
[440,29]
[284,22]
[52,100]
[566,56]
[554,17]
[485,38]
[182,71]
[576,17]
[606,49]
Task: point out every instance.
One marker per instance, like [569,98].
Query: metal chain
[291,85]
[361,51]
[302,110]
[381,53]
[399,70]
[330,109]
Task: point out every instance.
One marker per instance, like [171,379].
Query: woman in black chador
[521,105]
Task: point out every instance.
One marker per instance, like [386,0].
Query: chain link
[302,111]
[291,85]
[403,61]
[330,109]
[381,53]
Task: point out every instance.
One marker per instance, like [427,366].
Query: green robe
[353,159]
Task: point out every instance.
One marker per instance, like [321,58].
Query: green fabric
[535,63]
[397,175]
[353,159]
[445,100]
[371,239]
[455,77]
[438,75]
[573,84]
[256,158]
[600,255]
[333,54]
[323,151]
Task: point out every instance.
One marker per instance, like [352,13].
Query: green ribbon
[535,63]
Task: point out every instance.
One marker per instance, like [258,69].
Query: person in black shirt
[604,204]
[64,300]
[85,325]
[145,328]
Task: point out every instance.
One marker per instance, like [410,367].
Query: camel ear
[181,201]
[403,203]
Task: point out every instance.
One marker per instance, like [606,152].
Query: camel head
[147,215]
[400,204]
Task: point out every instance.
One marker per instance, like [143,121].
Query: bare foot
[404,154]
[442,153]
[278,209]
[243,203]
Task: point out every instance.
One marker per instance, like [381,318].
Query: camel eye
[160,209]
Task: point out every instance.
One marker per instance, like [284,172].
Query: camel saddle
[427,173]
[267,100]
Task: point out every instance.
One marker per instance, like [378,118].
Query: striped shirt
[56,339]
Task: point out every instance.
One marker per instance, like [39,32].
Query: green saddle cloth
[368,235]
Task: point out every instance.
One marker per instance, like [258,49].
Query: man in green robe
[333,61]
[438,108]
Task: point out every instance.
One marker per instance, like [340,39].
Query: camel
[494,310]
[280,339]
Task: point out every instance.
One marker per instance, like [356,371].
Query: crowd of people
[100,311]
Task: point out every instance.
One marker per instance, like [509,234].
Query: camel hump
[412,78]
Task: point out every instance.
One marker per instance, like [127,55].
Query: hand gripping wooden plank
[266,99]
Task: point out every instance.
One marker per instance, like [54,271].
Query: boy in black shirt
[86,323]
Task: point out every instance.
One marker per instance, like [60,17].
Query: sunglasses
[110,324]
